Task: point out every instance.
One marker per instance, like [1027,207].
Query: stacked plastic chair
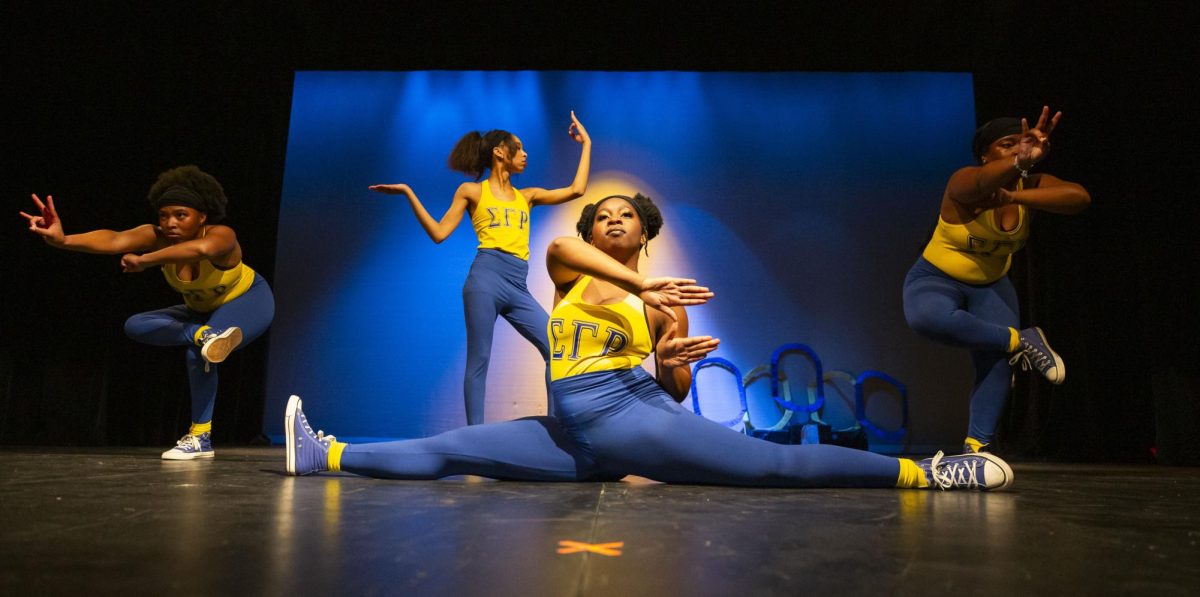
[801,422]
[860,405]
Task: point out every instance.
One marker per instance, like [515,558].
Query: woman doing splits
[226,304]
[957,293]
[499,212]
[612,418]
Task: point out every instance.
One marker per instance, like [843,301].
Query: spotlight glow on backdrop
[800,198]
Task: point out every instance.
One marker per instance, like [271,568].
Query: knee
[923,321]
[136,325]
[192,355]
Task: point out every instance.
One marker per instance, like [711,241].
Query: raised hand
[679,352]
[47,223]
[665,292]
[391,189]
[1035,142]
[576,130]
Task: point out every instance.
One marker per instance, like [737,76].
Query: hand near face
[666,292]
[1035,142]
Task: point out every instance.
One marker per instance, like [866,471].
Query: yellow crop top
[502,225]
[977,252]
[585,338]
[212,287]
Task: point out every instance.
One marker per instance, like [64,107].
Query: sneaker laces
[1040,360]
[952,474]
[189,441]
[319,435]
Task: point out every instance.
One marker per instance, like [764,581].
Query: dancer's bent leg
[936,306]
[530,320]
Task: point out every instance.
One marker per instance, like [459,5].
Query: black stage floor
[111,521]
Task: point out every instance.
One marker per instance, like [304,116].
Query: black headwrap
[992,130]
[181,195]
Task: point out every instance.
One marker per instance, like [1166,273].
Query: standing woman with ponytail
[499,212]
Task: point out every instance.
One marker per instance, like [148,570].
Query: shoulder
[152,234]
[470,190]
[221,230]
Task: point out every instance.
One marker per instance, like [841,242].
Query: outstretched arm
[539,196]
[438,230]
[218,242]
[48,225]
[568,257]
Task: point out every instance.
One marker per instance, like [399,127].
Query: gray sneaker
[1036,353]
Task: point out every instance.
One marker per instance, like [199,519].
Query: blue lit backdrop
[800,198]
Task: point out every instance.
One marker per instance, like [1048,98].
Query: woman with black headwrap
[958,293]
[226,304]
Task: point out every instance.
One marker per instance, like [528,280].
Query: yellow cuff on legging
[199,333]
[335,455]
[911,475]
[198,428]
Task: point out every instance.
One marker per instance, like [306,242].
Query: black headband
[992,130]
[181,195]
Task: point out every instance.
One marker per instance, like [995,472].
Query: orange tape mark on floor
[604,549]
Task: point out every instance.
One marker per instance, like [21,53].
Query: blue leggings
[495,286]
[616,423]
[176,326]
[975,317]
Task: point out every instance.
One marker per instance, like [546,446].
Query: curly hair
[644,206]
[210,196]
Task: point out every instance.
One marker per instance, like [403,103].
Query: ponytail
[473,152]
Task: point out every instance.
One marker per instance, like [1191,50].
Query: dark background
[100,97]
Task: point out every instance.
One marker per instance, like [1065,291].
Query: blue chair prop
[743,416]
[781,432]
[802,423]
[849,436]
[804,430]
[860,405]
